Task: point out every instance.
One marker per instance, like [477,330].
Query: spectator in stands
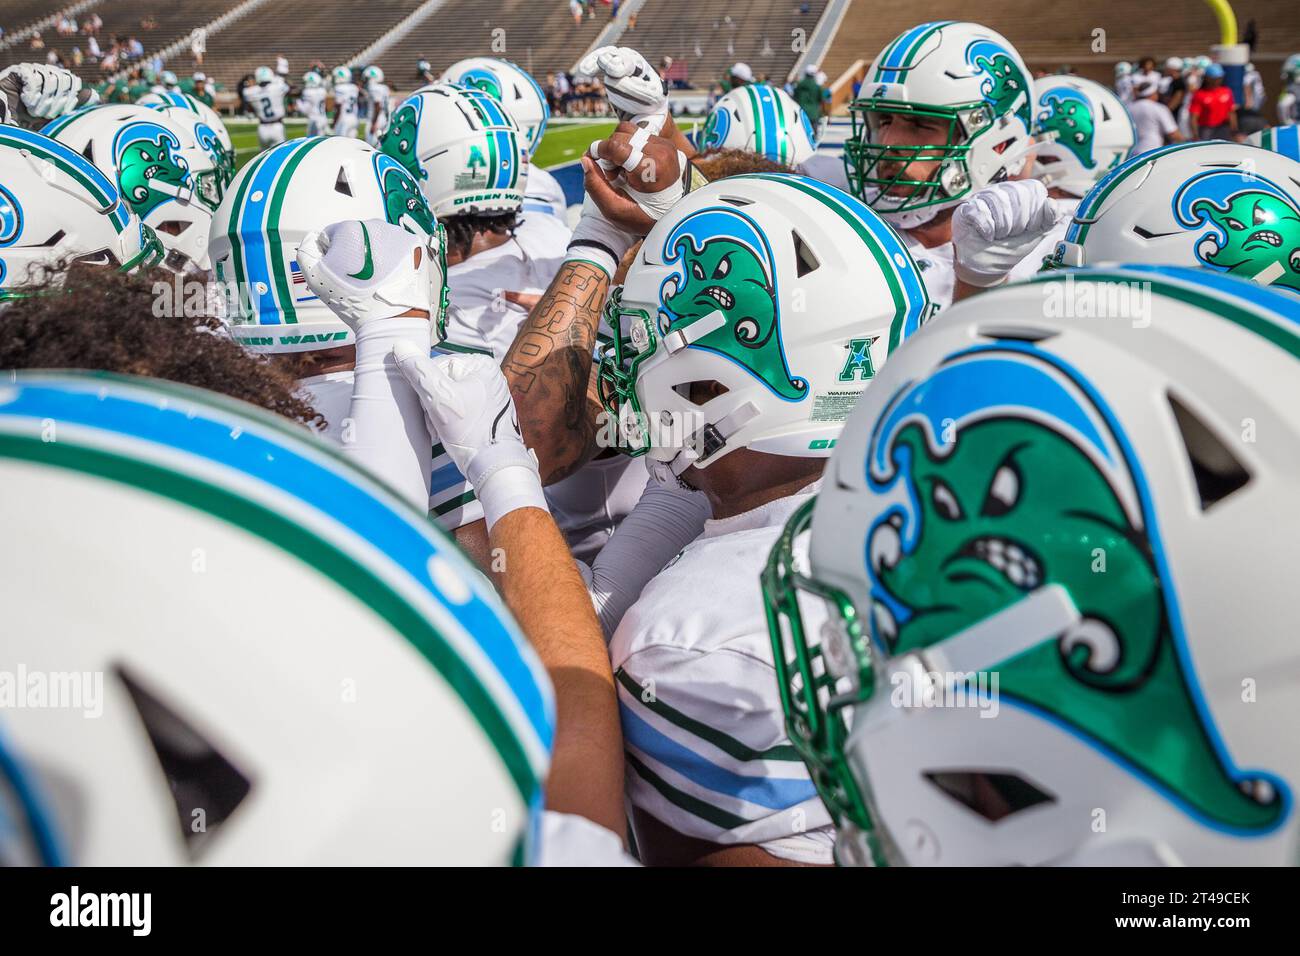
[575,7]
[136,47]
[201,91]
[37,43]
[1172,85]
[1152,121]
[564,92]
[198,45]
[812,97]
[149,23]
[92,47]
[740,75]
[1214,109]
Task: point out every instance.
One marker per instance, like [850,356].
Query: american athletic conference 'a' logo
[404,203]
[999,475]
[1005,87]
[1067,113]
[150,170]
[1254,225]
[727,267]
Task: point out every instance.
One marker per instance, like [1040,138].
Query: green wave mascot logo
[404,203]
[999,475]
[1067,113]
[727,267]
[150,170]
[1254,226]
[1005,87]
[402,136]
[481,79]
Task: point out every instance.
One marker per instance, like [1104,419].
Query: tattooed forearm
[549,368]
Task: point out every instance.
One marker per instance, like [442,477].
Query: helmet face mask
[967,86]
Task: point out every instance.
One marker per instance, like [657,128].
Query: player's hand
[632,86]
[636,177]
[365,271]
[467,404]
[34,93]
[997,227]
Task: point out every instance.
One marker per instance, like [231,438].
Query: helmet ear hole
[341,184]
[1215,469]
[805,261]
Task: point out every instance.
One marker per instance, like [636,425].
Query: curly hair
[462,228]
[721,163]
[102,320]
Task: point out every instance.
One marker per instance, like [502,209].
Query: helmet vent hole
[341,184]
[994,796]
[805,261]
[1016,333]
[205,786]
[701,392]
[1216,470]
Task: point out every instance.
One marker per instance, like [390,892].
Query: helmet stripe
[1091,203]
[382,554]
[900,54]
[911,299]
[78,167]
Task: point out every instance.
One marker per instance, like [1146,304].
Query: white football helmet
[341,74]
[169,79]
[264,74]
[373,74]
[1291,68]
[961,76]
[1123,68]
[1224,206]
[168,178]
[1280,139]
[198,716]
[465,150]
[1093,132]
[58,209]
[279,198]
[761,119]
[743,283]
[1052,518]
[509,85]
[210,117]
[312,79]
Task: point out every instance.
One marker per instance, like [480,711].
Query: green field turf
[563,143]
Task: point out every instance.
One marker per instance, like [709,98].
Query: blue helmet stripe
[288,468]
[107,195]
[252,232]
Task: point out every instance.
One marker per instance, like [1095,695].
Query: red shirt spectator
[1213,107]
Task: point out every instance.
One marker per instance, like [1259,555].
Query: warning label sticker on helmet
[833,406]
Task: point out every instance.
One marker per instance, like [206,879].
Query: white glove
[371,270]
[997,227]
[33,91]
[596,239]
[632,86]
[468,406]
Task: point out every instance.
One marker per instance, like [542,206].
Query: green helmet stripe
[887,267]
[24,141]
[912,50]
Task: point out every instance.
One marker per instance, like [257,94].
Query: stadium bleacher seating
[539,35]
[711,36]
[123,18]
[1049,35]
[16,15]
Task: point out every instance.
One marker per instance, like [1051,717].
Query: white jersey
[266,100]
[703,728]
[451,500]
[346,96]
[311,102]
[1124,88]
[936,267]
[591,502]
[827,168]
[543,194]
[482,319]
[571,840]
[380,97]
[1152,123]
[1029,266]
